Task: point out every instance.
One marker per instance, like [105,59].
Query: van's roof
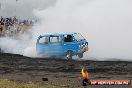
[58,34]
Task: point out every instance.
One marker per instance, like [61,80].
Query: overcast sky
[23,8]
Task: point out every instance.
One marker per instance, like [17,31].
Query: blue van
[61,44]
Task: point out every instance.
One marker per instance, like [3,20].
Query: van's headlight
[86,43]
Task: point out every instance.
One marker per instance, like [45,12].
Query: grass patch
[5,83]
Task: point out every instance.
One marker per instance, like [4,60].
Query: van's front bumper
[83,49]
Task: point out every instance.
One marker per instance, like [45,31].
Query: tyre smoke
[106,24]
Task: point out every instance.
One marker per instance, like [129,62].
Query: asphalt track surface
[61,72]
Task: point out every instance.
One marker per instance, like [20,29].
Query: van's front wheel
[80,55]
[69,55]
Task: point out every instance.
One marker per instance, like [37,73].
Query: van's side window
[68,38]
[43,40]
[55,39]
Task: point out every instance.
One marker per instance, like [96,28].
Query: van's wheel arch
[69,55]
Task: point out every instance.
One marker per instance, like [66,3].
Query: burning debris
[85,76]
[86,80]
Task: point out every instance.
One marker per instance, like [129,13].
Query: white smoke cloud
[23,44]
[106,24]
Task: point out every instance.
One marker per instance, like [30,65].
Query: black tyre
[80,55]
[69,55]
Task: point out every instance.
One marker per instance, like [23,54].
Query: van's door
[70,44]
[55,43]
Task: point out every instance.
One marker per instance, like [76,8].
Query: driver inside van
[68,38]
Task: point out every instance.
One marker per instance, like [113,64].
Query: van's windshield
[78,37]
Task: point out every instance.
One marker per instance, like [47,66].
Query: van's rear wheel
[69,55]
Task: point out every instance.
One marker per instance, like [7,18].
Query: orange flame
[84,73]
